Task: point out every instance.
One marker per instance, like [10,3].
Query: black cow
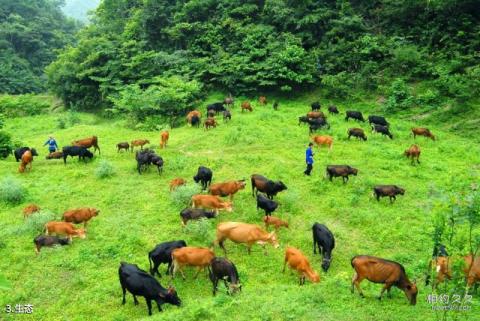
[19,152]
[79,151]
[269,206]
[275,105]
[222,269]
[157,161]
[388,190]
[315,106]
[324,240]
[303,119]
[139,282]
[144,159]
[216,107]
[340,171]
[355,115]
[378,120]
[332,109]
[317,123]
[357,132]
[48,240]
[195,214]
[195,121]
[204,175]
[162,253]
[264,185]
[382,130]
[227,115]
[439,250]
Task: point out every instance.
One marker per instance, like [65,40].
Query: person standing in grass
[52,144]
[309,159]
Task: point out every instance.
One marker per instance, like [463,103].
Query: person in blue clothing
[52,144]
[309,159]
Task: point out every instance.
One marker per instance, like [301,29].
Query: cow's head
[228,206]
[171,296]
[354,171]
[326,264]
[94,211]
[34,152]
[272,238]
[241,184]
[281,186]
[313,276]
[88,153]
[234,288]
[81,233]
[400,190]
[411,292]
[432,136]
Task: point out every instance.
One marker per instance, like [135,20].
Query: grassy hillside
[80,282]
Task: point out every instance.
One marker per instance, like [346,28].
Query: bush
[2,121]
[23,105]
[339,85]
[105,169]
[183,194]
[35,223]
[6,145]
[200,230]
[11,191]
[399,96]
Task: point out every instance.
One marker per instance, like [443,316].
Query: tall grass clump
[35,223]
[200,230]
[11,191]
[182,195]
[104,170]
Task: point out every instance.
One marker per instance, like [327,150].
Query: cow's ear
[409,287]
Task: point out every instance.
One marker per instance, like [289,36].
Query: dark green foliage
[5,144]
[23,105]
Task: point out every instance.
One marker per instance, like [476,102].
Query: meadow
[80,282]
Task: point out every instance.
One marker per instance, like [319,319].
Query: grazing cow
[388,190]
[269,206]
[323,140]
[324,240]
[262,184]
[164,136]
[244,233]
[138,282]
[80,215]
[378,120]
[211,202]
[315,106]
[211,113]
[145,158]
[157,161]
[216,107]
[379,270]
[64,228]
[193,113]
[413,153]
[275,221]
[332,109]
[302,119]
[204,175]
[47,240]
[275,105]
[162,253]
[54,155]
[227,188]
[191,256]
[138,142]
[229,101]
[123,145]
[26,161]
[316,114]
[19,152]
[382,130]
[87,143]
[176,182]
[357,132]
[341,171]
[227,115]
[223,269]
[188,214]
[246,106]
[298,261]
[30,209]
[354,115]
[210,122]
[422,132]
[195,121]
[79,151]
[262,100]
[472,270]
[317,123]
[443,269]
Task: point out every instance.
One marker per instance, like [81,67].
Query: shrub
[23,105]
[6,145]
[11,191]
[105,169]
[61,124]
[339,85]
[399,96]
[183,194]
[2,121]
[200,230]
[35,223]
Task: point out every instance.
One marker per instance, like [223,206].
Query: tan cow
[299,262]
[193,113]
[64,228]
[138,142]
[87,143]
[191,256]
[164,136]
[419,131]
[211,202]
[30,209]
[80,215]
[227,188]
[246,106]
[323,140]
[244,233]
[176,182]
[275,221]
[472,270]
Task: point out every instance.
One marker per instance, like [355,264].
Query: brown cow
[123,145]
[472,270]
[87,143]
[418,131]
[210,202]
[323,140]
[138,142]
[164,136]
[316,114]
[64,228]
[244,233]
[30,209]
[193,113]
[379,270]
[176,182]
[80,215]
[210,122]
[443,269]
[275,221]
[246,106]
[26,163]
[191,256]
[262,100]
[54,155]
[297,261]
[227,188]
[413,152]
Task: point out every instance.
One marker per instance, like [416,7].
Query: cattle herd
[177,255]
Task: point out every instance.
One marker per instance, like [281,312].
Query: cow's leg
[222,245]
[284,265]
[149,305]
[356,282]
[159,306]
[124,292]
[385,287]
[418,159]
[198,272]
[135,301]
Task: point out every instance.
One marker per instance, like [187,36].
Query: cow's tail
[252,180]
[150,262]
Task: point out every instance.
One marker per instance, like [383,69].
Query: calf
[262,100]
[388,190]
[379,270]
[49,241]
[64,228]
[354,115]
[54,155]
[244,233]
[139,282]
[210,202]
[262,184]
[199,257]
[87,143]
[223,269]
[147,157]
[443,270]
[138,142]
[164,136]
[299,262]
[343,171]
[30,209]
[123,145]
[195,122]
[188,214]
[317,123]
[315,114]
[275,221]
[227,188]
[211,113]
[176,182]
[333,109]
[378,120]
[26,163]
[210,122]
[19,152]
[229,101]
[80,215]
[81,152]
[413,153]
[315,106]
[193,113]
[357,132]
[227,115]
[324,140]
[275,105]
[269,206]
[324,240]
[162,253]
[204,175]
[246,106]
[382,130]
[216,107]
[422,132]
[472,270]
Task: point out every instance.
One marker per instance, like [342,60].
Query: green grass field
[80,282]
